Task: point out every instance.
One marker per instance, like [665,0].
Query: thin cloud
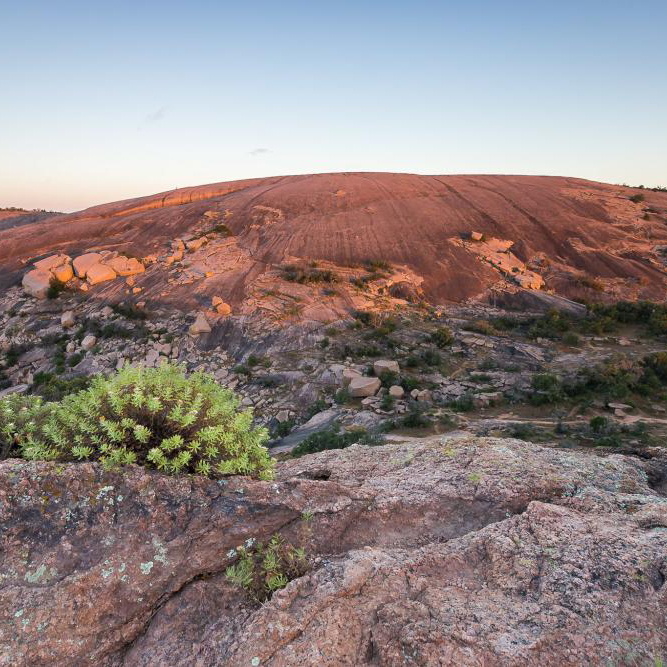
[154,117]
[259,151]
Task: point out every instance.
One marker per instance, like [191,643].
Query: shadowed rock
[458,551]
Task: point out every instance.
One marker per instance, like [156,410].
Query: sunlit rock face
[447,238]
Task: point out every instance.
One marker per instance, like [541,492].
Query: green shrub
[21,417]
[388,378]
[157,417]
[75,359]
[261,570]
[552,325]
[483,327]
[52,387]
[343,396]
[14,352]
[636,199]
[332,438]
[296,274]
[56,288]
[387,402]
[598,424]
[129,311]
[431,358]
[570,338]
[283,428]
[522,431]
[463,403]
[315,407]
[415,417]
[442,337]
[547,388]
[254,360]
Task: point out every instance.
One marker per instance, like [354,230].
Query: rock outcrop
[444,551]
[559,229]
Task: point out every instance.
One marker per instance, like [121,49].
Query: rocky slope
[577,237]
[444,551]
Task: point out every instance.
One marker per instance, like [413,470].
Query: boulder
[349,374]
[89,342]
[396,391]
[125,266]
[362,386]
[99,273]
[49,263]
[529,280]
[223,308]
[195,244]
[385,365]
[37,282]
[63,273]
[200,325]
[414,546]
[424,396]
[476,236]
[82,263]
[67,319]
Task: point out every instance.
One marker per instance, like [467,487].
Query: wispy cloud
[154,117]
[259,151]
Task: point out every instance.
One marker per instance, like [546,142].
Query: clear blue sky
[106,100]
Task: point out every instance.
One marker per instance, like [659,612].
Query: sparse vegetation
[129,311]
[306,276]
[263,569]
[333,439]
[56,288]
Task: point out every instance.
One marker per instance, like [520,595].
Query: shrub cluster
[156,417]
[614,379]
[601,318]
[304,276]
[333,439]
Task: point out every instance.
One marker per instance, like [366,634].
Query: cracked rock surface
[436,551]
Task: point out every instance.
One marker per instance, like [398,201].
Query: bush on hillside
[442,337]
[159,418]
[21,417]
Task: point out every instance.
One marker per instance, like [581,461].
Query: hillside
[584,239]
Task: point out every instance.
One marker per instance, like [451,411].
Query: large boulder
[385,365]
[361,386]
[349,374]
[68,319]
[529,280]
[51,262]
[99,273]
[82,263]
[438,551]
[126,266]
[37,282]
[200,325]
[63,273]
